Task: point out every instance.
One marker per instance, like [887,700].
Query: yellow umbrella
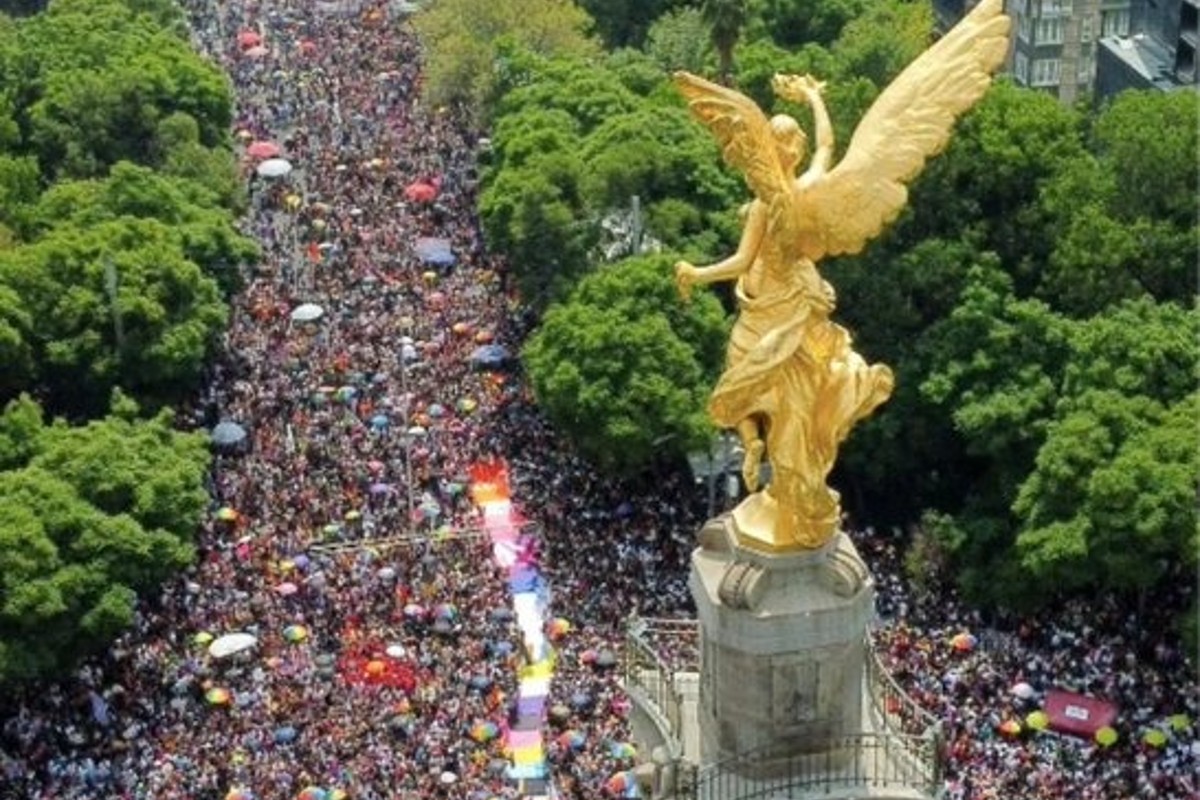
[1037,720]
[1179,722]
[1154,737]
[292,202]
[202,638]
[1106,736]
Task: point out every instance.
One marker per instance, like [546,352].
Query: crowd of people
[343,539]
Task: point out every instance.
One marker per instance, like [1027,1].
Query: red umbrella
[263,149]
[308,47]
[248,38]
[420,192]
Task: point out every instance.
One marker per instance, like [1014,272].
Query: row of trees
[1036,300]
[118,191]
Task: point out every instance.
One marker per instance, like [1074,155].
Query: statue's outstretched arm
[823,153]
[688,275]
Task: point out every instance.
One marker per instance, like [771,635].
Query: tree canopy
[93,516]
[622,367]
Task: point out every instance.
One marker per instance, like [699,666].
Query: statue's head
[790,141]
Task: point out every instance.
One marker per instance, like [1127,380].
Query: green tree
[623,369]
[462,37]
[726,19]
[883,40]
[679,40]
[793,23]
[202,229]
[623,23]
[169,312]
[70,570]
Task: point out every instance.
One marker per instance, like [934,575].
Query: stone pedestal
[782,646]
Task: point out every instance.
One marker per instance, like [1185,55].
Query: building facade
[1059,46]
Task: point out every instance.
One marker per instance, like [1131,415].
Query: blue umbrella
[380,421]
[435,251]
[490,356]
[285,734]
[228,434]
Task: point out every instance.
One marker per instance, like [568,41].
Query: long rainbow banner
[515,553]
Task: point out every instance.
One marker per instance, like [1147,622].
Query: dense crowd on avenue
[385,658]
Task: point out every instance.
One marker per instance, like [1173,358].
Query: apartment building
[1158,53]
[1054,41]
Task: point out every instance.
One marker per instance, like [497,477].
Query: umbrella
[285,734]
[379,488]
[231,643]
[480,682]
[295,633]
[239,794]
[1179,722]
[258,51]
[217,696]
[573,739]
[489,356]
[395,651]
[375,668]
[387,573]
[588,656]
[484,731]
[435,251]
[467,404]
[1037,720]
[412,610]
[436,410]
[307,312]
[580,700]
[622,750]
[227,514]
[248,38]
[1010,727]
[287,588]
[1023,690]
[263,149]
[1154,737]
[380,421]
[416,430]
[606,658]
[558,627]
[620,782]
[963,642]
[202,638]
[1106,736]
[420,192]
[274,168]
[228,434]
[313,793]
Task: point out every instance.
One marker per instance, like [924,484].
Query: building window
[1185,62]
[1114,22]
[1056,8]
[1087,70]
[1045,72]
[1021,68]
[1024,27]
[1050,30]
[1085,29]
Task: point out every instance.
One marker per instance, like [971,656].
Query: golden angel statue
[793,386]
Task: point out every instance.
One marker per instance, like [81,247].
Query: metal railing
[905,752]
[862,760]
[650,669]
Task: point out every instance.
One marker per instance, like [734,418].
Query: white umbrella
[231,643]
[395,651]
[416,430]
[1023,690]
[274,168]
[308,312]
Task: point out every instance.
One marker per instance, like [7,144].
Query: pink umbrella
[286,588]
[263,149]
[248,38]
[258,51]
[420,192]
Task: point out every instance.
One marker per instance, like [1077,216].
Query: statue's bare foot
[750,465]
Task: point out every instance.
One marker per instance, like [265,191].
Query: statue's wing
[908,124]
[743,132]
